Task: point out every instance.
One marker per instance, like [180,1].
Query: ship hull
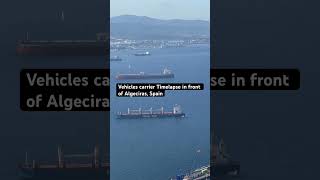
[124,77]
[142,54]
[115,59]
[64,174]
[141,116]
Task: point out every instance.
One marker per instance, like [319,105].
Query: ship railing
[134,111]
[159,112]
[147,112]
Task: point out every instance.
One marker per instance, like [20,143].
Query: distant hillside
[142,27]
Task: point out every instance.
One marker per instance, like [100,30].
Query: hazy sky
[162,9]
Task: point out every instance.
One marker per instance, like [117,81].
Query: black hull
[141,116]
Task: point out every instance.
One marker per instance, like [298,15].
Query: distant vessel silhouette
[115,58]
[147,53]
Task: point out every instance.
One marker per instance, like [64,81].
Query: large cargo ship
[150,113]
[92,169]
[97,47]
[166,73]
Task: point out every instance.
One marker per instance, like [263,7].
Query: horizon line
[208,20]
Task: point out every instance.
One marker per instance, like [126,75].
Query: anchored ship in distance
[97,47]
[147,53]
[152,113]
[166,73]
[64,169]
[115,58]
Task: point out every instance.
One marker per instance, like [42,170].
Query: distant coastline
[147,28]
[153,18]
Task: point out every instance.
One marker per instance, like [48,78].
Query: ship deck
[155,113]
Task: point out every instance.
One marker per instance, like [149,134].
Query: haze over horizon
[158,18]
[157,28]
[163,9]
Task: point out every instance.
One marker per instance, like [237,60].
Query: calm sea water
[158,149]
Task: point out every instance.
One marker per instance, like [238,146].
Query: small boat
[147,53]
[115,58]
